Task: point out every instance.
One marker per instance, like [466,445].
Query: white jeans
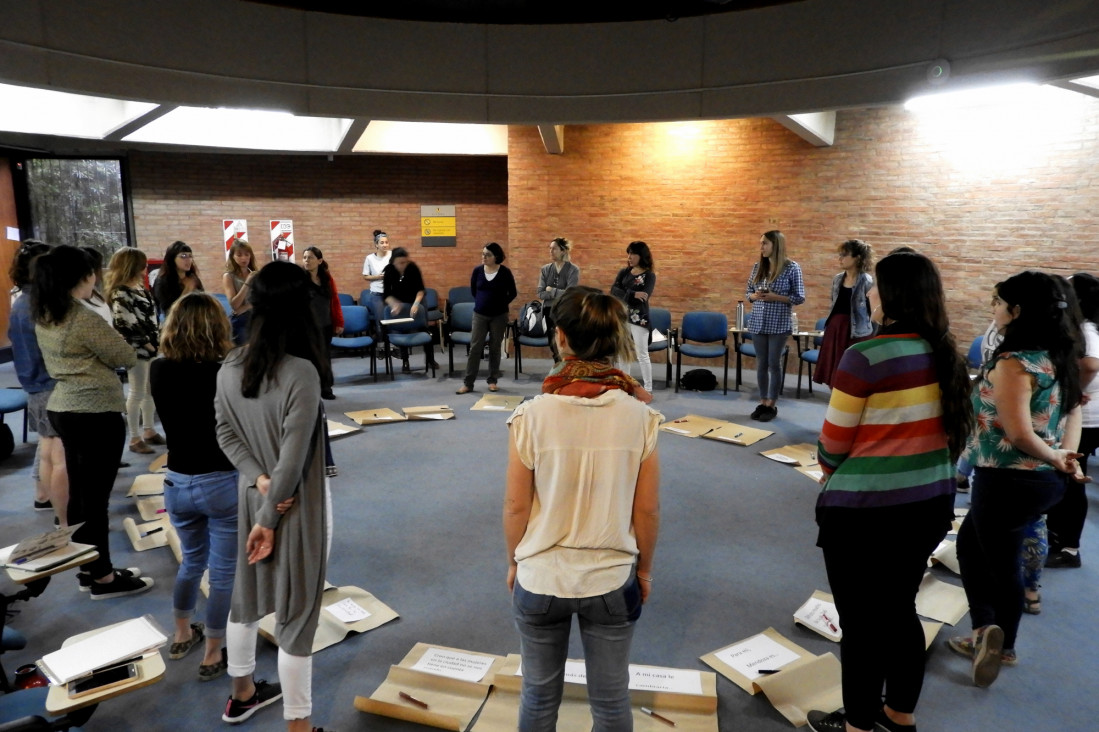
[295,672]
[139,402]
[641,345]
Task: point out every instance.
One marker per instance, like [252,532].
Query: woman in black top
[493,289]
[403,291]
[177,276]
[200,488]
[634,286]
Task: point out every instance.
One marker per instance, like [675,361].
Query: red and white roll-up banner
[282,240]
[233,229]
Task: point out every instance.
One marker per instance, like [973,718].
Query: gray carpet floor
[417,523]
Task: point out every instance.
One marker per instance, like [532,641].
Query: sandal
[1032,607]
[182,648]
[464,390]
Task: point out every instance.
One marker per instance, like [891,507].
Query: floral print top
[988,445]
[626,285]
[134,312]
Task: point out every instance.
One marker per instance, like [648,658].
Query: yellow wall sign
[438,226]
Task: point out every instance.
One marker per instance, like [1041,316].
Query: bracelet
[645,579]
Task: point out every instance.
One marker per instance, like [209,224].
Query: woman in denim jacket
[849,318]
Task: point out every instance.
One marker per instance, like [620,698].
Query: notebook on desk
[127,640]
[45,551]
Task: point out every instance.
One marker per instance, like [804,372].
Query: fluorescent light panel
[245,129]
[45,112]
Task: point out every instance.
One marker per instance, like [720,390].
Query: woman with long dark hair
[270,426]
[897,420]
[200,488]
[774,287]
[51,481]
[1023,448]
[177,276]
[240,266]
[493,288]
[849,318]
[1065,521]
[585,453]
[634,286]
[134,317]
[325,304]
[81,351]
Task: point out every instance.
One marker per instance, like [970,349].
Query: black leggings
[1065,520]
[93,445]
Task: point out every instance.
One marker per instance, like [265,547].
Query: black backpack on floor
[698,380]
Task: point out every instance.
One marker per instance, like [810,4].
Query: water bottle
[740,315]
[793,322]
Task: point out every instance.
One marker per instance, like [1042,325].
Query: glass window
[78,202]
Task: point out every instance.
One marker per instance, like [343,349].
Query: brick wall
[334,205]
[702,193]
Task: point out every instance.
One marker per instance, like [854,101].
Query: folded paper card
[946,554]
[940,600]
[159,463]
[344,611]
[375,416]
[813,472]
[151,507]
[150,484]
[497,403]
[443,696]
[798,689]
[335,429]
[743,661]
[803,454]
[437,411]
[694,425]
[149,535]
[44,551]
[125,640]
[819,614]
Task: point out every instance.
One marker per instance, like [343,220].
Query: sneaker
[85,579]
[45,505]
[987,648]
[182,648]
[760,409]
[328,394]
[962,484]
[768,414]
[963,646]
[121,587]
[141,448]
[835,722]
[1063,559]
[331,471]
[240,711]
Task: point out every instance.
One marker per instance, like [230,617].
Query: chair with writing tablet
[407,335]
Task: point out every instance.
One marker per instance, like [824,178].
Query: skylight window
[245,129]
[44,112]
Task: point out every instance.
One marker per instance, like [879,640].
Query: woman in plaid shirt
[774,285]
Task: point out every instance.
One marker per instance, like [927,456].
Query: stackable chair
[406,335]
[345,299]
[460,329]
[810,356]
[710,333]
[747,348]
[224,302]
[522,335]
[434,314]
[661,319]
[357,338]
[973,358]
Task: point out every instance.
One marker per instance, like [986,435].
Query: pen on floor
[767,671]
[654,715]
[738,434]
[412,700]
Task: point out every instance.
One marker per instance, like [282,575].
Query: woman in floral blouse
[134,313]
[1027,404]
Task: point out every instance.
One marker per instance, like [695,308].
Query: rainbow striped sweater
[883,442]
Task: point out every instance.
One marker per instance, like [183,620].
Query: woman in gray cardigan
[556,277]
[270,427]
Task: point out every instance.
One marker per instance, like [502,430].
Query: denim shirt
[30,369]
[860,309]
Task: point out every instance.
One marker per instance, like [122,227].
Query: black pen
[767,671]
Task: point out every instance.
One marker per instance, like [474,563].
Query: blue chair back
[461,318]
[345,299]
[660,319]
[973,358]
[431,298]
[817,340]
[356,319]
[224,302]
[457,295]
[703,326]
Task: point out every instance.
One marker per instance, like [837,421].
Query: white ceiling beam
[354,132]
[128,128]
[553,138]
[816,128]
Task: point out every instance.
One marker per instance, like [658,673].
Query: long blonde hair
[231,262]
[778,258]
[196,329]
[126,265]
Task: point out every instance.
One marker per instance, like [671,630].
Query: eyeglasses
[184,255]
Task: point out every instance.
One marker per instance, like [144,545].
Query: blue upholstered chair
[748,349]
[661,319]
[709,332]
[434,314]
[521,335]
[810,356]
[345,299]
[12,400]
[460,329]
[454,296]
[224,302]
[357,338]
[407,335]
[973,358]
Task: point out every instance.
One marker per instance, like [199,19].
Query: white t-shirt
[586,455]
[373,266]
[1090,412]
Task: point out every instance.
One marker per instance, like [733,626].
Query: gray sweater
[278,434]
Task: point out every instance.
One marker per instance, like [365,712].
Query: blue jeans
[769,374]
[203,510]
[606,629]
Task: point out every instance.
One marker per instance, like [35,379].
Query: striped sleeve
[851,386]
